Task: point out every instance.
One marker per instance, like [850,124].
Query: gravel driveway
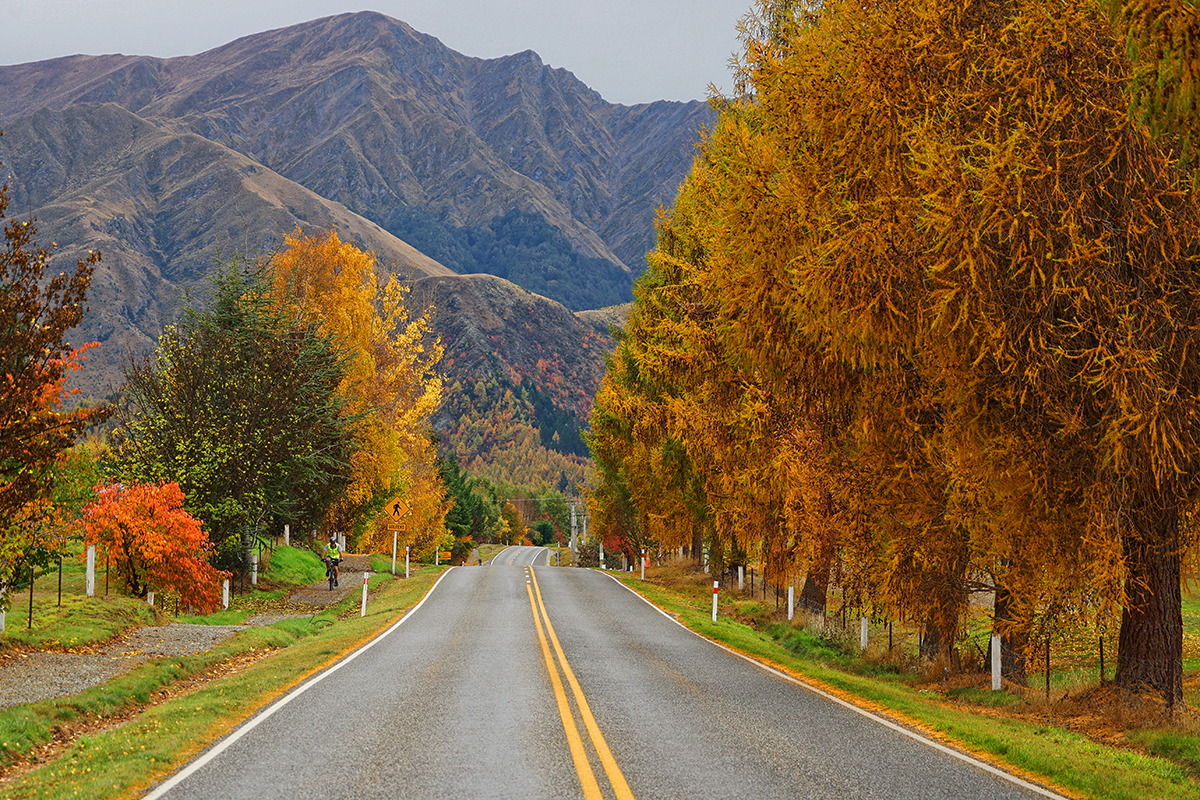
[29,677]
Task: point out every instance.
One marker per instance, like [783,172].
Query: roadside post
[91,570]
[741,577]
[406,562]
[395,537]
[862,634]
[225,593]
[643,563]
[716,588]
[791,601]
[287,535]
[996,682]
[254,568]
[363,613]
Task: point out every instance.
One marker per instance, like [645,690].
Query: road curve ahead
[521,557]
[539,682]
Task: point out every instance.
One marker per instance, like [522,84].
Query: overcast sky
[631,51]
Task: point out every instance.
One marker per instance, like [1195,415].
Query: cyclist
[333,556]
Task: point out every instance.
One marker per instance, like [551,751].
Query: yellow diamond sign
[397,508]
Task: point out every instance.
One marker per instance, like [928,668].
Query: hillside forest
[296,390]
[922,322]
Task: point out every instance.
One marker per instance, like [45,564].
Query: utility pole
[574,531]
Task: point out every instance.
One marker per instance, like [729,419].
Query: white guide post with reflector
[997,684]
[716,587]
[363,613]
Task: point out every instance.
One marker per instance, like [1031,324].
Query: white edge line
[983,765]
[225,743]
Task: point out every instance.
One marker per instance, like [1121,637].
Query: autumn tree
[240,405]
[390,385]
[37,311]
[153,543]
[951,204]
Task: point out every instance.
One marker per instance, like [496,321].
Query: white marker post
[643,563]
[791,602]
[254,568]
[225,593]
[395,537]
[996,682]
[741,577]
[91,570]
[150,598]
[287,535]
[716,587]
[363,613]
[406,562]
[862,634]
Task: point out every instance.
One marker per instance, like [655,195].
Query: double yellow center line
[587,778]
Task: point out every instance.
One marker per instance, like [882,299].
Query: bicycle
[331,571]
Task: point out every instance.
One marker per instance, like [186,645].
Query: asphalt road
[459,701]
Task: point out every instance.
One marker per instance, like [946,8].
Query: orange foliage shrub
[153,542]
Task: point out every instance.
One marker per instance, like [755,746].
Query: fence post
[91,570]
[862,633]
[716,587]
[791,601]
[996,682]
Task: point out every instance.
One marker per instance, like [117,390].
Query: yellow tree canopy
[391,384]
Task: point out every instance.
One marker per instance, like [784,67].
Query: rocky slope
[361,123]
[365,111]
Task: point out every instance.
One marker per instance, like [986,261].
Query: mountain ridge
[358,123]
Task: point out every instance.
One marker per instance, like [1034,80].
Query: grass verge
[124,761]
[1060,758]
[78,622]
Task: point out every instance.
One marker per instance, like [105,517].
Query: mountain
[444,165]
[161,206]
[521,372]
[427,143]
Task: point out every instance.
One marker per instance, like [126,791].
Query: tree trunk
[938,639]
[1013,639]
[1150,647]
[816,589]
[816,583]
